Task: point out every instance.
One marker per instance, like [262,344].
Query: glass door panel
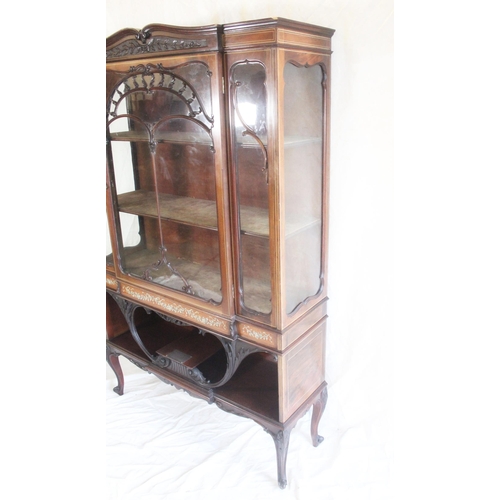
[303,147]
[132,167]
[185,179]
[162,157]
[109,249]
[249,108]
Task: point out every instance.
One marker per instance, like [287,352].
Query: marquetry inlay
[205,319]
[261,336]
[111,282]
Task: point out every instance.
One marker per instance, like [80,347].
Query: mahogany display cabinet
[217,188]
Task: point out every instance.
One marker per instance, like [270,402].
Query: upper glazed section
[159,39]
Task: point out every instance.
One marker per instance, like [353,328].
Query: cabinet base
[280,432]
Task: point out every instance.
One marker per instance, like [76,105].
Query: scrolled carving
[251,130]
[128,308]
[143,35]
[178,368]
[195,375]
[236,350]
[164,261]
[144,43]
[211,397]
[229,409]
[142,366]
[152,77]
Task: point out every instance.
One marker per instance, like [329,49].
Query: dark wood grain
[207,194]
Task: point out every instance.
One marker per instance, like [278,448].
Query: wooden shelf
[154,333]
[255,222]
[203,213]
[247,141]
[254,386]
[198,138]
[202,138]
[158,335]
[205,280]
[296,140]
[192,349]
[191,211]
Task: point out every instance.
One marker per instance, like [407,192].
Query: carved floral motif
[147,45]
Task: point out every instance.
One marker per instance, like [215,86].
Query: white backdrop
[354,460]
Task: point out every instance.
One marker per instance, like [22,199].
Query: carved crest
[145,43]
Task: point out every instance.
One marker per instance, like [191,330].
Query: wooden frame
[257,357]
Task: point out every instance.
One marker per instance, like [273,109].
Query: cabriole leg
[318,409]
[114,362]
[281,440]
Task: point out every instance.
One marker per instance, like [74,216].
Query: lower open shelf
[252,388]
[188,358]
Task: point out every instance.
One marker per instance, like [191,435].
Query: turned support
[114,362]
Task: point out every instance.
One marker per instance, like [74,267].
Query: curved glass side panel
[249,144]
[304,114]
[162,156]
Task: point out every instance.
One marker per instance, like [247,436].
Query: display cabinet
[217,190]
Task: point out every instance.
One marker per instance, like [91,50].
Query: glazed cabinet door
[303,121]
[277,102]
[250,106]
[167,177]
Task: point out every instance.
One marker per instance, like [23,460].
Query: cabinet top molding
[160,39]
[280,22]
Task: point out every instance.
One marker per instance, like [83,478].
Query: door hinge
[223,85]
